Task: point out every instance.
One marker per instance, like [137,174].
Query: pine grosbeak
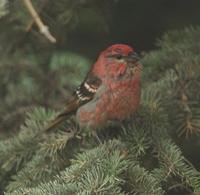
[110,91]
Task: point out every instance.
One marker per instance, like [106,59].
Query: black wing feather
[83,94]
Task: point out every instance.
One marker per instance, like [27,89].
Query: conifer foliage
[145,155]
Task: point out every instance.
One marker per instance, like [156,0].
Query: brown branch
[39,10]
[43,28]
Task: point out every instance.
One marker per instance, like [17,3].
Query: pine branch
[143,182]
[94,171]
[174,164]
[19,150]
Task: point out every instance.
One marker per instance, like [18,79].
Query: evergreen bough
[142,156]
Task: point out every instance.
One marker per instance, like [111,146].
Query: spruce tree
[146,154]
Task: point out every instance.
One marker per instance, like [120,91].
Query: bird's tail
[56,122]
[71,107]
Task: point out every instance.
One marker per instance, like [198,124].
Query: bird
[110,91]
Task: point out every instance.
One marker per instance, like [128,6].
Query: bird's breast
[124,98]
[113,101]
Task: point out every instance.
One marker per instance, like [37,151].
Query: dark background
[138,23]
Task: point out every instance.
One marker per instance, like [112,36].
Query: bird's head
[117,60]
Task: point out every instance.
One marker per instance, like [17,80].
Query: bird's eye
[118,56]
[115,56]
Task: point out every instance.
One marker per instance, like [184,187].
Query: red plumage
[110,91]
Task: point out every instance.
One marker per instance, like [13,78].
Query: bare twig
[43,28]
[39,10]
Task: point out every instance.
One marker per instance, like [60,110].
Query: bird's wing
[83,94]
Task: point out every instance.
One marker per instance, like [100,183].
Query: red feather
[110,91]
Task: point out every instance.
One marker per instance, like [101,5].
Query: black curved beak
[133,57]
